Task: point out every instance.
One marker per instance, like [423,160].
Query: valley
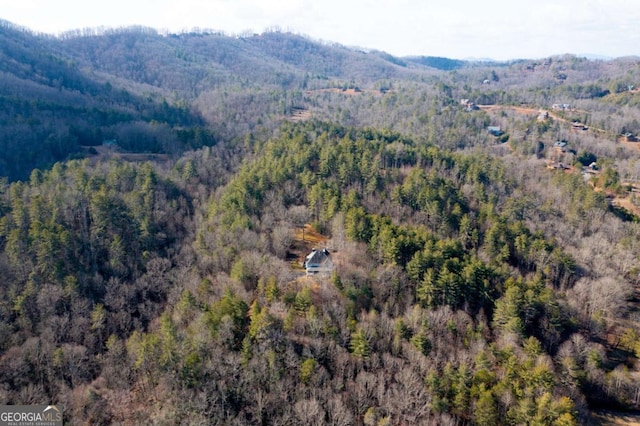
[161,193]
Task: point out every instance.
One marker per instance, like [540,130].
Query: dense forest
[160,193]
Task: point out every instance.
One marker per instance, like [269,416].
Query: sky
[461,29]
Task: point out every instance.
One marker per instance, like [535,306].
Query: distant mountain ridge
[155,92]
[437,62]
[207,59]
[62,93]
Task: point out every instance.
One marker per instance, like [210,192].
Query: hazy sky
[498,29]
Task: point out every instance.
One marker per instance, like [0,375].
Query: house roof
[317,257]
[318,261]
[495,130]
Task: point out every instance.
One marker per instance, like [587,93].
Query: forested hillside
[478,278]
[152,92]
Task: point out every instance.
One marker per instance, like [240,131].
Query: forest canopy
[159,278]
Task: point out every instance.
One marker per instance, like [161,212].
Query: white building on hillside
[318,262]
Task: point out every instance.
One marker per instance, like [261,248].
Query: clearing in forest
[351,91]
[300,114]
[104,153]
[305,239]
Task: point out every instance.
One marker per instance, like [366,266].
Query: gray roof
[317,257]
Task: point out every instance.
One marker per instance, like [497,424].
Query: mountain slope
[194,62]
[440,63]
[59,94]
[52,106]
[476,280]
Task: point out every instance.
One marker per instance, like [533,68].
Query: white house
[495,130]
[318,261]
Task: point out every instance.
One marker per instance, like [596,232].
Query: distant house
[468,105]
[561,107]
[576,125]
[318,262]
[630,137]
[560,145]
[495,130]
[543,115]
